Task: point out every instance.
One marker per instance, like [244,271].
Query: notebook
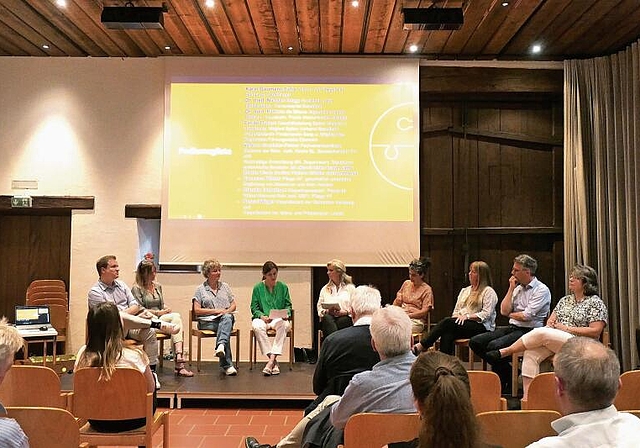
[34,320]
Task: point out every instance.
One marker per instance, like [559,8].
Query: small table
[34,336]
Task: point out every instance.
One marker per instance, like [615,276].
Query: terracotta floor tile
[268,420]
[243,430]
[223,442]
[234,420]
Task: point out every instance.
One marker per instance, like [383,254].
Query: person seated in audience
[333,303]
[270,294]
[587,379]
[581,313]
[474,312]
[139,324]
[415,295]
[214,305]
[348,351]
[11,434]
[105,348]
[385,388]
[526,304]
[148,293]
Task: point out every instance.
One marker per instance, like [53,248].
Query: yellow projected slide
[292,151]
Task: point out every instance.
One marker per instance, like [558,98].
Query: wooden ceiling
[564,29]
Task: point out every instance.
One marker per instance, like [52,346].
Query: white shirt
[602,428]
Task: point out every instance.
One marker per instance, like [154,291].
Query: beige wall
[94,127]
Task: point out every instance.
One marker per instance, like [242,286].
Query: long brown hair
[441,387]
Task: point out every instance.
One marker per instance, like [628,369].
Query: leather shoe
[251,442]
[493,356]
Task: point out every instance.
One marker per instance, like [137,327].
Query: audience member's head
[365,300]
[340,268]
[210,265]
[420,266]
[105,263]
[10,343]
[105,338]
[588,276]
[527,262]
[443,396]
[391,331]
[587,375]
[145,273]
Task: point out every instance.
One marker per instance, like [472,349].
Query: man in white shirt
[587,378]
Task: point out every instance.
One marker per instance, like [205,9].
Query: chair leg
[237,347]
[199,356]
[515,361]
[251,349]
[161,352]
[292,354]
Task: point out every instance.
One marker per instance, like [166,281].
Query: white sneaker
[168,328]
[220,351]
[155,378]
[230,371]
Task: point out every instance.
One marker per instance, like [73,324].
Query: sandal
[267,371]
[182,371]
[275,370]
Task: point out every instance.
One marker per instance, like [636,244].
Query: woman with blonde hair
[148,293]
[474,313]
[335,297]
[105,348]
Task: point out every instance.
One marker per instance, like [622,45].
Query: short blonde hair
[10,341]
[210,265]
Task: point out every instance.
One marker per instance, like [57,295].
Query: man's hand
[513,282]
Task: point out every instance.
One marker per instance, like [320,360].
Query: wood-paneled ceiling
[493,29]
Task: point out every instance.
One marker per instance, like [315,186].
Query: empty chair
[516,429]
[47,427]
[485,391]
[201,334]
[53,283]
[123,397]
[542,393]
[34,386]
[628,397]
[46,293]
[465,343]
[60,321]
[48,301]
[369,430]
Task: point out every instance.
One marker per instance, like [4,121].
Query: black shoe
[251,442]
[493,356]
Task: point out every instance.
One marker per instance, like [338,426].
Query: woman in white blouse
[474,313]
[335,299]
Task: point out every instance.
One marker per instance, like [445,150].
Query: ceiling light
[290,48]
[45,46]
[167,47]
[355,3]
[537,48]
[413,48]
[61,3]
[209,3]
[505,3]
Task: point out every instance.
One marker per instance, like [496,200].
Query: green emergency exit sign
[21,201]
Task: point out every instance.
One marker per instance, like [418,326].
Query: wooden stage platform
[211,384]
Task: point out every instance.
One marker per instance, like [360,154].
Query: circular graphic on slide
[392,145]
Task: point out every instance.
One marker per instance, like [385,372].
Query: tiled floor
[227,428]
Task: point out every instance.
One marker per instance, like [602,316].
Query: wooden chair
[272,333]
[33,386]
[123,397]
[202,334]
[629,394]
[60,321]
[48,301]
[55,283]
[542,394]
[369,430]
[46,294]
[485,391]
[161,337]
[46,427]
[515,429]
[465,343]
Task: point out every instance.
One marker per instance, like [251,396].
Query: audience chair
[60,321]
[629,394]
[465,343]
[48,301]
[123,397]
[542,394]
[376,430]
[485,391]
[46,294]
[47,427]
[202,334]
[272,333]
[516,429]
[34,386]
[54,283]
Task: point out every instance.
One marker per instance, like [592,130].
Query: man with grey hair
[526,304]
[385,388]
[11,435]
[587,377]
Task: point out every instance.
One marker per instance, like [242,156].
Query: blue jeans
[223,327]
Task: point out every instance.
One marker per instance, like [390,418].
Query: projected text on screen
[319,152]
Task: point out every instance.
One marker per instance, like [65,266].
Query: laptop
[34,321]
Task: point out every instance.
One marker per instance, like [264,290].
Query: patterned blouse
[580,314]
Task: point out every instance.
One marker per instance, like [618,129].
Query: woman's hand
[461,318]
[165,311]
[265,318]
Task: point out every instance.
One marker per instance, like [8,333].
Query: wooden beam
[507,138]
[448,231]
[143,211]
[52,203]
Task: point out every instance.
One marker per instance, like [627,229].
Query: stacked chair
[52,293]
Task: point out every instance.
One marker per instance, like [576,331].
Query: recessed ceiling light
[290,48]
[209,3]
[505,3]
[61,3]
[355,3]
[413,48]
[167,47]
[45,46]
[537,48]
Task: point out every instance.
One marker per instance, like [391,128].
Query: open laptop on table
[34,321]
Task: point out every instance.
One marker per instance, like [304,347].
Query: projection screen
[297,161]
